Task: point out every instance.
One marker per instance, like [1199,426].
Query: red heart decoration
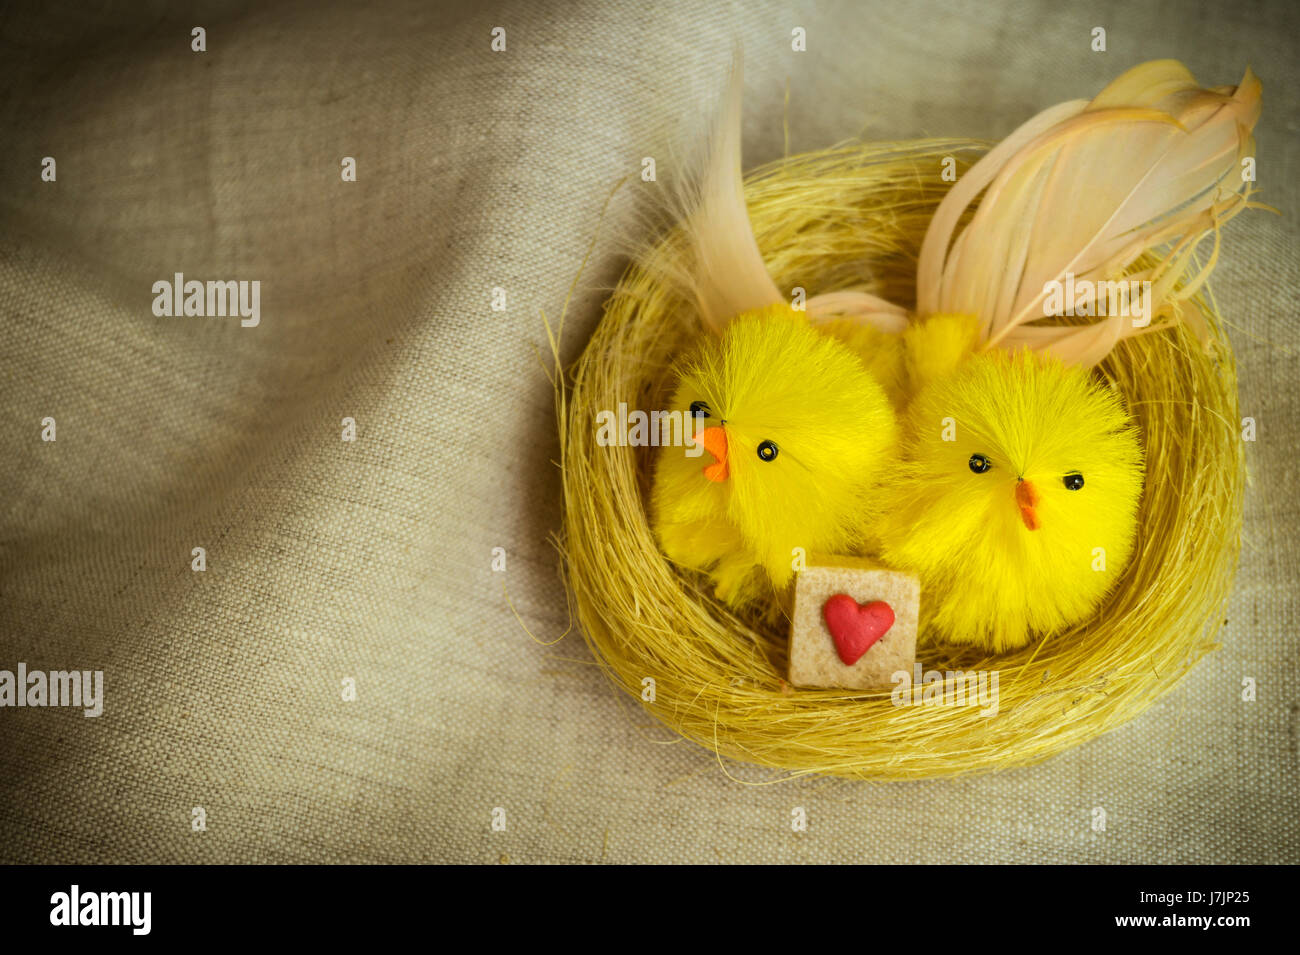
[855,627]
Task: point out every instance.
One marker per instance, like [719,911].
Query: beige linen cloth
[371,560]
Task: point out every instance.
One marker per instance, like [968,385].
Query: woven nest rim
[854,216]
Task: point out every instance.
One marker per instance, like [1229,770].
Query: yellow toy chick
[796,435]
[1017,502]
[1018,496]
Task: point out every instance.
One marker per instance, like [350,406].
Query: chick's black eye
[699,409]
[1073,480]
[979,463]
[767,451]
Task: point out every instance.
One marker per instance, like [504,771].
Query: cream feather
[1084,189]
[726,275]
[861,307]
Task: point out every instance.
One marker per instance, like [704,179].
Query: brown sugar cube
[839,608]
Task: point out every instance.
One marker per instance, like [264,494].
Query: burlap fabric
[371,560]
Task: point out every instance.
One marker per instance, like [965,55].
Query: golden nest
[855,216]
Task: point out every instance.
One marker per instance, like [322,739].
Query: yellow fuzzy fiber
[772,380]
[986,578]
[829,220]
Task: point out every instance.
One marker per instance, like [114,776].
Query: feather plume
[860,307]
[726,275]
[1077,194]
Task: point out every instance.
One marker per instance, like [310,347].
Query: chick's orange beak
[1027,499]
[714,440]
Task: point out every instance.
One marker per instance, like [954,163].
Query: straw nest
[855,216]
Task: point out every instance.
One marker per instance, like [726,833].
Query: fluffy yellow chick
[880,351]
[1018,499]
[1016,502]
[797,434]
